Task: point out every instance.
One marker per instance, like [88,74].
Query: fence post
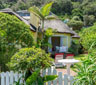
[43,74]
[54,73]
[21,79]
[65,79]
[16,77]
[2,79]
[7,78]
[71,80]
[60,78]
[49,73]
[11,77]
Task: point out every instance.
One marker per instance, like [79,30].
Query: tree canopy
[14,34]
[30,58]
[60,7]
[88,37]
[75,23]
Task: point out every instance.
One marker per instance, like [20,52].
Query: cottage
[60,41]
[63,36]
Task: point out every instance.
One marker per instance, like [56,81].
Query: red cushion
[70,55]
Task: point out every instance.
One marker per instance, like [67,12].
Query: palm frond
[35,10]
[45,10]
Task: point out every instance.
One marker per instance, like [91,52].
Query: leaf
[18,82]
[45,10]
[40,81]
[49,77]
[33,77]
[35,10]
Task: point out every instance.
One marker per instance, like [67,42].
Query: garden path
[64,71]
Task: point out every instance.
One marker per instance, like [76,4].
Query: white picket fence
[8,78]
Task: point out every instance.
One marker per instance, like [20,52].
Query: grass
[80,57]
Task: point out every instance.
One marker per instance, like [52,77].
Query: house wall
[34,20]
[56,34]
[34,36]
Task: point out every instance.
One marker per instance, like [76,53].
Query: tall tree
[14,34]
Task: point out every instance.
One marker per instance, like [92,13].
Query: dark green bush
[14,34]
[75,48]
[30,59]
[88,37]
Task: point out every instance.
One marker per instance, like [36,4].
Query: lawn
[80,57]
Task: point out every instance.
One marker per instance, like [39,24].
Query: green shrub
[77,12]
[47,34]
[14,34]
[75,23]
[74,48]
[88,37]
[36,79]
[88,20]
[30,59]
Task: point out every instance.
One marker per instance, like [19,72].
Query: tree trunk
[36,35]
[42,32]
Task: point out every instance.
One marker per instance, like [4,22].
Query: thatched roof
[58,25]
[9,11]
[75,35]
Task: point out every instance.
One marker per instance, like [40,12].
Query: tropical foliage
[88,38]
[47,34]
[75,23]
[74,48]
[88,20]
[86,71]
[30,59]
[62,7]
[85,9]
[43,14]
[36,79]
[14,34]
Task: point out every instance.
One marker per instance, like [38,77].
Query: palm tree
[42,13]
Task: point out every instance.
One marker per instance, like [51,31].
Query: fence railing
[8,78]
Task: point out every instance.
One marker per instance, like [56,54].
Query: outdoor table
[68,63]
